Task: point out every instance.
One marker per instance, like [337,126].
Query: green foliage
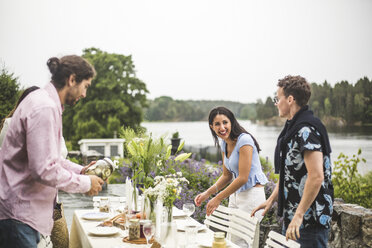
[76,161]
[148,154]
[175,135]
[248,112]
[349,184]
[164,108]
[115,98]
[268,170]
[352,103]
[271,217]
[9,92]
[266,110]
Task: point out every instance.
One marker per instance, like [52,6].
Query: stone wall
[351,227]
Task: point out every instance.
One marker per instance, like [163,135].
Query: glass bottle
[219,240]
[134,229]
[103,168]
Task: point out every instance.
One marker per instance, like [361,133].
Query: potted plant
[175,142]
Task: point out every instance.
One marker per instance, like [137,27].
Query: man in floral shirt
[302,157]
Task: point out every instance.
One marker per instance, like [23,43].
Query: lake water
[198,134]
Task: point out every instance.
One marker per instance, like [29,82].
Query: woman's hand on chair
[212,205]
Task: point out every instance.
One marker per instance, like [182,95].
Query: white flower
[165,187]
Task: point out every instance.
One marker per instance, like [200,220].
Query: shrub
[201,175]
[349,184]
[271,217]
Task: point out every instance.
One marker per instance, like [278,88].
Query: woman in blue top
[241,165]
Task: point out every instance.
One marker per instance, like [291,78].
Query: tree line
[349,103]
[165,108]
[118,98]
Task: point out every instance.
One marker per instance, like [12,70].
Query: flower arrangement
[166,188]
[200,173]
[148,154]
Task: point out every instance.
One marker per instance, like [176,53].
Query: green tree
[315,106]
[164,108]
[363,88]
[339,99]
[116,98]
[9,92]
[248,111]
[266,110]
[327,107]
[359,104]
[319,93]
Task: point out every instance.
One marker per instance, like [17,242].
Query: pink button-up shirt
[31,166]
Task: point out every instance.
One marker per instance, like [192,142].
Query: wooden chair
[219,219]
[276,240]
[245,227]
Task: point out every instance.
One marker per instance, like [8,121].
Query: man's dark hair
[296,86]
[63,68]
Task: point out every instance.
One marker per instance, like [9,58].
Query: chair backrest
[276,240]
[236,222]
[219,219]
[245,227]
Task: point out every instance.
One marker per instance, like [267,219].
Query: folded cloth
[140,241]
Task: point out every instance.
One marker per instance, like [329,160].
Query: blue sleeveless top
[232,163]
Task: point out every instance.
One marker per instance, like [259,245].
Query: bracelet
[216,188]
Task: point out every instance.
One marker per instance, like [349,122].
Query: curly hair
[296,86]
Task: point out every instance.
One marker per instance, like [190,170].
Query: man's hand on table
[96,185]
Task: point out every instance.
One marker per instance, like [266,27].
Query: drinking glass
[114,207]
[190,231]
[188,209]
[148,231]
[127,218]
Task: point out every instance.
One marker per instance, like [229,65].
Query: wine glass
[148,230]
[188,209]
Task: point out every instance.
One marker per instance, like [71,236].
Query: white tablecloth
[79,237]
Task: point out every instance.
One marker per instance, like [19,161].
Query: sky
[232,50]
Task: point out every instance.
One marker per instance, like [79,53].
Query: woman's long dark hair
[236,129]
[23,96]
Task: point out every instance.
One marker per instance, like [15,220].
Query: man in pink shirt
[31,167]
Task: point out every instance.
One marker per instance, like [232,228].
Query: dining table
[82,236]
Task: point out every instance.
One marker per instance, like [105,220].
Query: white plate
[103,231]
[208,243]
[178,212]
[95,216]
[205,242]
[181,225]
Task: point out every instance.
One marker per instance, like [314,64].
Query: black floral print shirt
[295,174]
